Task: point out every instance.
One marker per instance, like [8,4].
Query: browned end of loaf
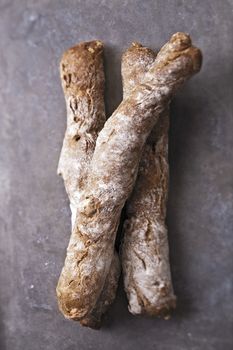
[78,64]
[138,52]
[135,61]
[180,46]
[163,310]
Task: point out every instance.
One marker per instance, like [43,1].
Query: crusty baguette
[145,260]
[112,173]
[82,77]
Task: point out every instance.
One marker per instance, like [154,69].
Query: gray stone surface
[34,212]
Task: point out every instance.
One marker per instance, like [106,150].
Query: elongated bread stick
[82,78]
[145,259]
[111,176]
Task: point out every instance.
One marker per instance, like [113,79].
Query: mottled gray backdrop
[34,211]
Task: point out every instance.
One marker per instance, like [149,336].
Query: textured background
[34,212]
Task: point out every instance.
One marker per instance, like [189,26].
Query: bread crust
[145,260]
[107,296]
[145,250]
[110,180]
[82,77]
